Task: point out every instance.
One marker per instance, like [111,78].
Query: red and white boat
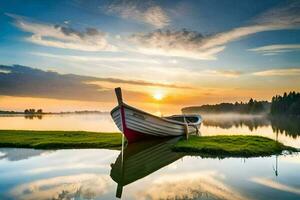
[137,125]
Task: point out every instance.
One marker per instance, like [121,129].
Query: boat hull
[137,125]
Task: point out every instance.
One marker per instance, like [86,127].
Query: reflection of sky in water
[88,122]
[84,174]
[213,125]
[14,154]
[57,173]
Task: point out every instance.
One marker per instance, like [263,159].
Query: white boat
[136,124]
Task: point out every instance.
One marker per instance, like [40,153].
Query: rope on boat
[193,125]
[186,127]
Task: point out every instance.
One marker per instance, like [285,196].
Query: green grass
[230,146]
[59,139]
[205,146]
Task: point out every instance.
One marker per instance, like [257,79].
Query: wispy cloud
[278,18]
[191,44]
[182,43]
[225,73]
[91,39]
[4,71]
[276,49]
[29,82]
[172,43]
[275,185]
[279,72]
[144,11]
[77,58]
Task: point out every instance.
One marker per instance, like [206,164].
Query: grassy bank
[231,146]
[206,146]
[58,139]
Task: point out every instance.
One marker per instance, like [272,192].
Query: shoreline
[220,146]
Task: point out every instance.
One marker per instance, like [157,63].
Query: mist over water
[283,129]
[228,120]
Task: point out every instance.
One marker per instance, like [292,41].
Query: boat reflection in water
[140,159]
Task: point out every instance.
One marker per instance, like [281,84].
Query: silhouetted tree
[32,111]
[288,104]
[39,111]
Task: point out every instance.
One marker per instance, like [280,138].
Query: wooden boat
[136,124]
[141,159]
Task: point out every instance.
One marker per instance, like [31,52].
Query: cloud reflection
[276,185]
[86,186]
[14,154]
[190,186]
[71,166]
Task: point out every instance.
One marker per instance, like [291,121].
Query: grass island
[205,146]
[231,146]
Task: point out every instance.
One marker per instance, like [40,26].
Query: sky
[165,55]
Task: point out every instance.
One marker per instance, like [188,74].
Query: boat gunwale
[161,118]
[154,125]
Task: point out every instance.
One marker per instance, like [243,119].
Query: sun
[158,95]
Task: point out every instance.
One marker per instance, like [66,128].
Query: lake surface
[96,174]
[285,130]
[148,170]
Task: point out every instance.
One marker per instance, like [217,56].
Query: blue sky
[221,50]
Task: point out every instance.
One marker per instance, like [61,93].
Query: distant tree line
[250,107]
[10,112]
[33,111]
[288,104]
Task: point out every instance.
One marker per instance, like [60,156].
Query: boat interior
[195,119]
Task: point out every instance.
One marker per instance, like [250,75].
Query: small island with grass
[59,139]
[231,146]
[204,146]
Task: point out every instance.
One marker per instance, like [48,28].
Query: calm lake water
[148,170]
[285,130]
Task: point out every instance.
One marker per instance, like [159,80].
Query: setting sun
[158,95]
